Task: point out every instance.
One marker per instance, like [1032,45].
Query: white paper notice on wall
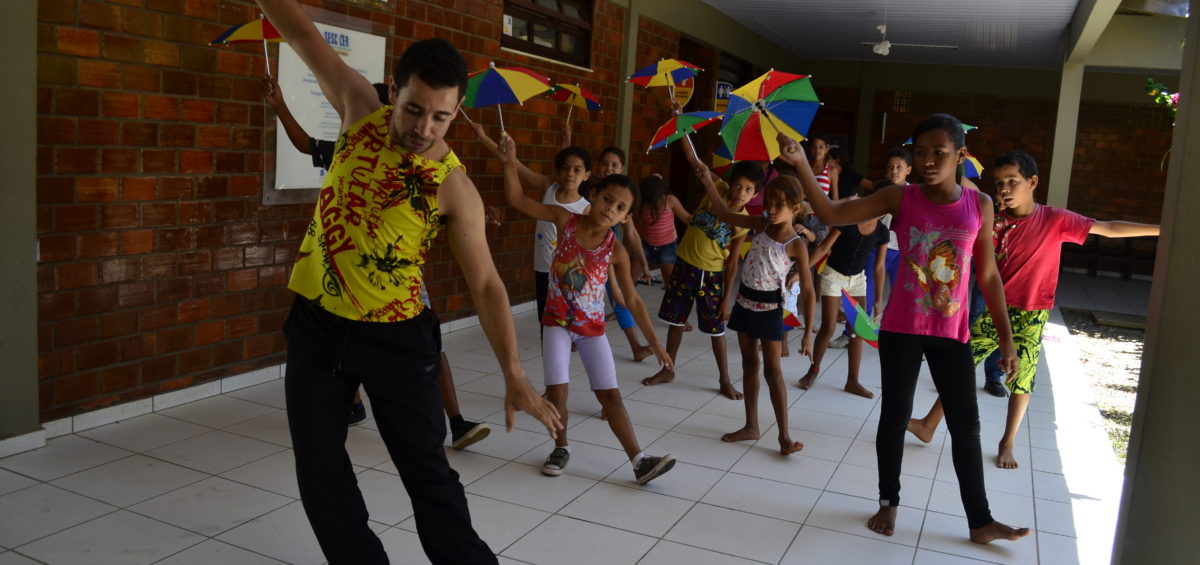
[364,53]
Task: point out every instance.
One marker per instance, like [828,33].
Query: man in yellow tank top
[358,319]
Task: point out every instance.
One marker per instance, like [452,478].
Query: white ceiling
[1009,33]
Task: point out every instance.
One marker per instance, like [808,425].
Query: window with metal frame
[555,29]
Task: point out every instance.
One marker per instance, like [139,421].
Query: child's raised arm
[1119,228]
[528,176]
[988,279]
[507,151]
[842,212]
[720,209]
[633,302]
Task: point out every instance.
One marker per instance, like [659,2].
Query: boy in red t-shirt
[1028,238]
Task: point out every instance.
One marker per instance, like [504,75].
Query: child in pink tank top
[940,226]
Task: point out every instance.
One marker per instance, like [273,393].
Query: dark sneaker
[468,433]
[650,467]
[996,388]
[557,461]
[358,414]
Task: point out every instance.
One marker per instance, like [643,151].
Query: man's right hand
[519,395]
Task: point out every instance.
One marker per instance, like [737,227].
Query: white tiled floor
[212,481]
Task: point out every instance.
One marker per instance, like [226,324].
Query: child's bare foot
[729,392]
[997,531]
[743,434]
[884,521]
[642,352]
[1005,459]
[662,376]
[788,447]
[922,430]
[807,380]
[856,388]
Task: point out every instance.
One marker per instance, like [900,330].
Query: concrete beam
[1090,20]
[1139,42]
[628,60]
[1065,128]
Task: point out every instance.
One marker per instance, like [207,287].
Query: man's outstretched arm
[347,91]
[462,209]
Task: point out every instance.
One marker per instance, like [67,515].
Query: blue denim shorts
[660,254]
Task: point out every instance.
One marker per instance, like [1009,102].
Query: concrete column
[1158,520]
[867,116]
[628,60]
[1065,128]
[18,239]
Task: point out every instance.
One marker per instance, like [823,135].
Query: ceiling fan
[883,46]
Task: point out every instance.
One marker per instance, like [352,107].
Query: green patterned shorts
[1027,326]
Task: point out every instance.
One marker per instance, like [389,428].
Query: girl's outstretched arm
[798,250]
[633,302]
[842,212]
[507,151]
[528,176]
[677,208]
[717,205]
[988,278]
[1119,228]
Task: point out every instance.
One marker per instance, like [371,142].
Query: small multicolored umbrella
[503,85]
[721,159]
[681,125]
[255,30]
[575,96]
[972,168]
[666,72]
[860,324]
[760,110]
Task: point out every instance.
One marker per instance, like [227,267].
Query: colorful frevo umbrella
[721,159]
[666,72]
[760,110]
[972,168]
[503,85]
[681,125]
[575,96]
[860,324]
[255,30]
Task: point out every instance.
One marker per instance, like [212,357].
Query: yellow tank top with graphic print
[376,216]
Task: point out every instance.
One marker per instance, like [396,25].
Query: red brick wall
[160,268]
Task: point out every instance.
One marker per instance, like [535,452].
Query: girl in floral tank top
[758,309]
[575,307]
[940,226]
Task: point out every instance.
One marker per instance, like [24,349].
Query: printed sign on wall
[721,96]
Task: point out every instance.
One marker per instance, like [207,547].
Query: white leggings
[593,350]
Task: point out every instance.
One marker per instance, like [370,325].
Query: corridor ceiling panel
[1002,33]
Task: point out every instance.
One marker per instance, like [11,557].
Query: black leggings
[953,372]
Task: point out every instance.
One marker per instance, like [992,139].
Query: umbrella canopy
[503,85]
[681,125]
[255,30]
[760,110]
[574,95]
[666,72]
[972,168]
[721,160]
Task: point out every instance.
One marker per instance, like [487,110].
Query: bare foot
[997,531]
[642,352]
[919,428]
[787,446]
[884,521]
[688,327]
[1005,459]
[855,388]
[743,434]
[729,392]
[807,380]
[662,376]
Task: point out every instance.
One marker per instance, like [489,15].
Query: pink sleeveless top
[661,232]
[931,295]
[575,298]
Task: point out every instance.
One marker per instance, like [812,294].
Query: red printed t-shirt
[1028,252]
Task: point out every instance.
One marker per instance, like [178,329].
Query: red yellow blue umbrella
[666,72]
[503,85]
[760,110]
[575,96]
[721,159]
[681,125]
[972,168]
[255,30]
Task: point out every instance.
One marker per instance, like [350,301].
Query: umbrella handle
[501,114]
[464,114]
[267,55]
[687,138]
[569,108]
